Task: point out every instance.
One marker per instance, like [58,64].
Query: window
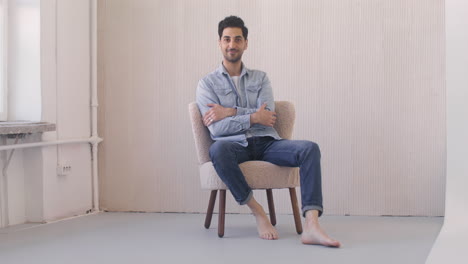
[20,80]
[3,58]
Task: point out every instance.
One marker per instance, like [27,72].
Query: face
[232,44]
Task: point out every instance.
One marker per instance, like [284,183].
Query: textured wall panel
[367,78]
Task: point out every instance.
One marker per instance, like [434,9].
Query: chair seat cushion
[259,175]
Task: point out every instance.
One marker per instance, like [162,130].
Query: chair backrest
[286,116]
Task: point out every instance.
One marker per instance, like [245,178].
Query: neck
[233,68]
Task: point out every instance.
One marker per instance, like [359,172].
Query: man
[238,108]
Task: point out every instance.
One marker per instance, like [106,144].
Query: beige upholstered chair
[259,174]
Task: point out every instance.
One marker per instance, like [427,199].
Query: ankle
[311,217]
[258,211]
[255,207]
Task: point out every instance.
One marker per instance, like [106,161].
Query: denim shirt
[254,90]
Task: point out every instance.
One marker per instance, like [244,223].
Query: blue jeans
[226,157]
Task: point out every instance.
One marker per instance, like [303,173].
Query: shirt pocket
[227,97]
[253,91]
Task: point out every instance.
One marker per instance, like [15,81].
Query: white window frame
[4,61]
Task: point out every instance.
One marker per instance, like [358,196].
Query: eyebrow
[239,36]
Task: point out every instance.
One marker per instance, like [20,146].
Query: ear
[246,43]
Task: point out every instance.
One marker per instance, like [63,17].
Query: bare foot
[264,227]
[314,235]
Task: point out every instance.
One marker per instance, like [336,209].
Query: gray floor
[181,238]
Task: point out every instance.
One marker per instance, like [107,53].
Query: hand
[263,117]
[216,113]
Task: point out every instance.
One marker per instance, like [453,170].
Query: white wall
[451,246]
[367,78]
[36,192]
[69,195]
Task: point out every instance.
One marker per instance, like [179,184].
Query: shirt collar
[223,70]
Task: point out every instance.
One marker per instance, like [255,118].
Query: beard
[233,59]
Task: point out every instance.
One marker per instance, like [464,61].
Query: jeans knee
[219,149]
[313,148]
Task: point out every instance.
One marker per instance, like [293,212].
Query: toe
[334,243]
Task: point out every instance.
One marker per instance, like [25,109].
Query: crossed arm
[231,120]
[217,112]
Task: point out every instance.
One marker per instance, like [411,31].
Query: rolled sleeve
[230,126]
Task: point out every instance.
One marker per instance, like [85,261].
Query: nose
[232,45]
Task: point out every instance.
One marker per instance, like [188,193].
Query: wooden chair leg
[209,211]
[271,206]
[222,212]
[295,207]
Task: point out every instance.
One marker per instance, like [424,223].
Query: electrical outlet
[63,170]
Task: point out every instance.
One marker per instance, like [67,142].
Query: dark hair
[232,21]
